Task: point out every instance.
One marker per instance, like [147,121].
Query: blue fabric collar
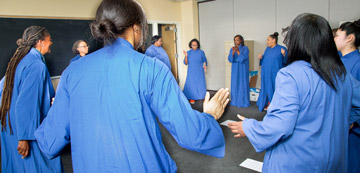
[41,55]
[121,41]
[350,54]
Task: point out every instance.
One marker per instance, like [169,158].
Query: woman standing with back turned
[306,127]
[113,122]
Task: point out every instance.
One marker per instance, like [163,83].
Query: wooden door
[168,34]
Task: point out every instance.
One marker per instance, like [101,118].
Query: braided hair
[30,38]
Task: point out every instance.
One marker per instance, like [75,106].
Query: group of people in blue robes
[306,128]
[347,39]
[107,105]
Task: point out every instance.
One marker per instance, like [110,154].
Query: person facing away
[157,51]
[347,39]
[108,105]
[26,92]
[80,48]
[307,125]
[272,61]
[195,84]
[239,59]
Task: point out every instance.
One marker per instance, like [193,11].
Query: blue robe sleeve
[355,111]
[285,57]
[230,57]
[150,52]
[263,56]
[278,123]
[239,58]
[54,132]
[191,129]
[204,60]
[28,104]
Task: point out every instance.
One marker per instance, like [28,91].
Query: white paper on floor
[252,164]
[225,123]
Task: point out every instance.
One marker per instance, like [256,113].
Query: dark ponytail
[352,28]
[114,17]
[275,36]
[30,38]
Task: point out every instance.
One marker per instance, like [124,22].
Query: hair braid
[29,39]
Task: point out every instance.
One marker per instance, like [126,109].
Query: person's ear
[350,38]
[136,28]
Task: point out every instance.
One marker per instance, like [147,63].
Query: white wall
[220,20]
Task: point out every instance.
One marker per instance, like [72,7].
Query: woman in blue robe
[108,104]
[195,84]
[307,125]
[347,39]
[80,48]
[239,59]
[25,104]
[157,51]
[271,61]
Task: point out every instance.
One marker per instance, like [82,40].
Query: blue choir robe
[159,53]
[77,57]
[307,125]
[30,103]
[240,92]
[195,84]
[271,62]
[352,64]
[107,105]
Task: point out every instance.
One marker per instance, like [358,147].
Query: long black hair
[275,36]
[310,39]
[113,17]
[352,28]
[30,38]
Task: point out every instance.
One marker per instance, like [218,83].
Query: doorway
[168,34]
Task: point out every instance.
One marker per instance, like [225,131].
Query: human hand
[23,148]
[283,52]
[260,56]
[237,127]
[217,104]
[351,126]
[185,53]
[52,100]
[204,66]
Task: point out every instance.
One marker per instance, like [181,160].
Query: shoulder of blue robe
[77,57]
[30,100]
[150,51]
[355,107]
[54,132]
[282,114]
[174,111]
[204,60]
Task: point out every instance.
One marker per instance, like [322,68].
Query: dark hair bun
[20,42]
[357,23]
[276,34]
[104,30]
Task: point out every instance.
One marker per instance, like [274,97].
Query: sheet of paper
[252,164]
[225,123]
